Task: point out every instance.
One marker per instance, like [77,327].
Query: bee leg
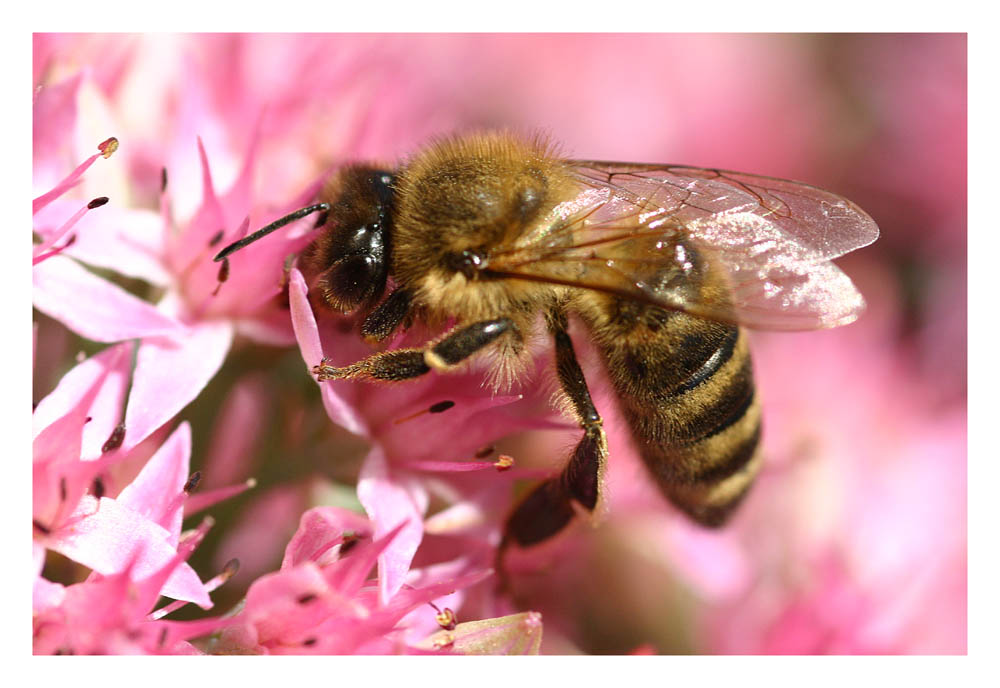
[404,364]
[585,471]
[387,316]
[548,509]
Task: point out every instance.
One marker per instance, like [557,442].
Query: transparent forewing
[827,224]
[728,246]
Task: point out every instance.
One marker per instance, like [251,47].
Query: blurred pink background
[855,539]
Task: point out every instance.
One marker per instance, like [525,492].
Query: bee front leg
[387,316]
[547,509]
[404,364]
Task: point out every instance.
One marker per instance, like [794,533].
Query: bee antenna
[264,231]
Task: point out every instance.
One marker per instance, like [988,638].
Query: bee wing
[653,232]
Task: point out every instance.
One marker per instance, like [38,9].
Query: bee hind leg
[548,508]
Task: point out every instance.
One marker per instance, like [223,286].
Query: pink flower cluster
[153,152]
[109,413]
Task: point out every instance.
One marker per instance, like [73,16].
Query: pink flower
[321,601]
[129,537]
[101,311]
[408,427]
[111,614]
[193,325]
[183,339]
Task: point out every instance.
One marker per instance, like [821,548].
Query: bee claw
[325,371]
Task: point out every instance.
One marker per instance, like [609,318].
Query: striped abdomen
[686,388]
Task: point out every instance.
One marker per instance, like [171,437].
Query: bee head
[352,255]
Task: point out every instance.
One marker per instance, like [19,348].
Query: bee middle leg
[547,509]
[404,364]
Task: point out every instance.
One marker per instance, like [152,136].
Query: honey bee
[663,265]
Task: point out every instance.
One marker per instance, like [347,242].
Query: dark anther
[44,530]
[306,599]
[62,489]
[97,202]
[483,452]
[224,270]
[441,406]
[192,482]
[98,488]
[163,179]
[217,237]
[309,641]
[231,567]
[115,439]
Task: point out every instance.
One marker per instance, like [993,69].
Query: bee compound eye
[352,280]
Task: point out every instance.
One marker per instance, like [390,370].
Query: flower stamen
[115,439]
[503,462]
[108,147]
[439,407]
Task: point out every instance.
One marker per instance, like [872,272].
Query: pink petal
[108,537]
[278,614]
[46,595]
[126,240]
[53,124]
[170,373]
[408,599]
[173,643]
[319,529]
[303,320]
[59,232]
[203,500]
[59,477]
[349,574]
[307,334]
[149,589]
[106,409]
[240,194]
[518,634]
[431,436]
[92,307]
[419,623]
[186,246]
[154,492]
[389,503]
